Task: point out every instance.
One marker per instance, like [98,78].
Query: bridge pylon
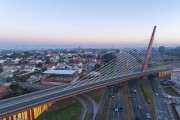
[145,64]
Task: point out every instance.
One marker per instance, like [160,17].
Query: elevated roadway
[18,104]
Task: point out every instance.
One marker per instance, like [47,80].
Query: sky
[88,22]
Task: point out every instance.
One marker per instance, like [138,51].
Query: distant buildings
[175,76]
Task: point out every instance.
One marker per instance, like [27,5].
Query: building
[61,75]
[175,76]
[3,91]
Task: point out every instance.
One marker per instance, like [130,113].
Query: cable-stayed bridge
[128,64]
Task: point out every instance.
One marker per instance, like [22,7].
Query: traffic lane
[161,110]
[121,101]
[134,101]
[116,102]
[80,88]
[139,101]
[26,104]
[112,106]
[30,95]
[160,105]
[142,102]
[102,104]
[90,106]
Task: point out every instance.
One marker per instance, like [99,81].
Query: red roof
[3,91]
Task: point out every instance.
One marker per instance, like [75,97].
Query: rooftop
[60,72]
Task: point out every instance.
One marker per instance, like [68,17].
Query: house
[3,91]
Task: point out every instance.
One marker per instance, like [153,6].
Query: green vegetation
[170,51]
[108,57]
[147,91]
[71,112]
[171,91]
[14,87]
[1,69]
[97,66]
[39,65]
[148,95]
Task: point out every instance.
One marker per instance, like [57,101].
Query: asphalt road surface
[89,105]
[160,105]
[117,101]
[17,104]
[138,102]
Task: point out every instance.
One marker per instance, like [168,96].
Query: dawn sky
[88,22]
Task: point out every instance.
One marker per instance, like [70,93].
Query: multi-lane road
[160,105]
[117,102]
[17,104]
[138,102]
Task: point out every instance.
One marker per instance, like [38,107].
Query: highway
[160,105]
[138,100]
[18,104]
[90,105]
[102,104]
[117,101]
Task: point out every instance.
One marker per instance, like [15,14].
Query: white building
[175,76]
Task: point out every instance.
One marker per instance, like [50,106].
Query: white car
[116,109]
[169,96]
[139,107]
[156,94]
[148,115]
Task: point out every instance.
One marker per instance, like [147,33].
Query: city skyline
[88,23]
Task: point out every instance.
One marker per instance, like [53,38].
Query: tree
[97,66]
[14,87]
[39,65]
[162,49]
[27,54]
[1,70]
[108,57]
[47,59]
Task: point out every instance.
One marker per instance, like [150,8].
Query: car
[113,96]
[134,91]
[156,94]
[148,115]
[131,98]
[116,109]
[139,107]
[168,96]
[121,109]
[165,96]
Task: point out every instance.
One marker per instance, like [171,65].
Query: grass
[148,95]
[70,112]
[106,107]
[171,91]
[147,91]
[128,115]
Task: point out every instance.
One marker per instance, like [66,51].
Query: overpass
[127,65]
[18,104]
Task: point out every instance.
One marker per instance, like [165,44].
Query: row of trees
[105,58]
[169,51]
